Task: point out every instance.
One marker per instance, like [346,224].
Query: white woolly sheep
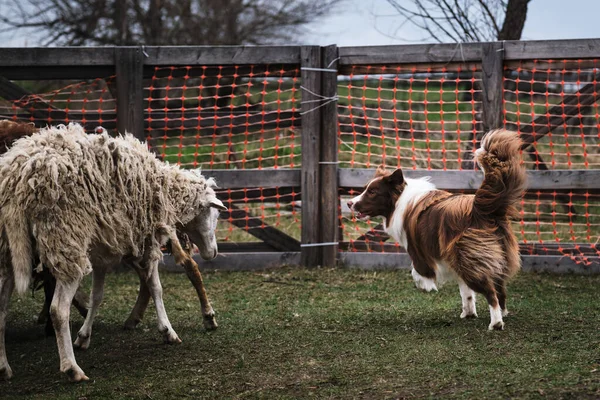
[74,202]
[13,130]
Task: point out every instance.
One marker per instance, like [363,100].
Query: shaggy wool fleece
[65,194]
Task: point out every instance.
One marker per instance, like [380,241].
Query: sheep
[9,132]
[12,130]
[79,203]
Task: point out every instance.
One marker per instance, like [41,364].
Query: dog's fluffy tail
[505,178]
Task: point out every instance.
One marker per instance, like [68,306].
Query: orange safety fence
[208,117]
[409,117]
[232,117]
[427,118]
[418,117]
[90,103]
[557,101]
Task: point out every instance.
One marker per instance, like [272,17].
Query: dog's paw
[498,326]
[468,314]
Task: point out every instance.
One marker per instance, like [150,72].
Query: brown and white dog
[467,238]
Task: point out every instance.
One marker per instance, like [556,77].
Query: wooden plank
[57,56]
[492,85]
[251,178]
[383,261]
[559,265]
[35,72]
[221,55]
[130,91]
[379,245]
[329,155]
[551,49]
[311,140]
[471,180]
[245,247]
[156,55]
[491,106]
[259,229]
[375,261]
[237,262]
[406,54]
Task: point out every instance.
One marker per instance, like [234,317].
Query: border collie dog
[467,238]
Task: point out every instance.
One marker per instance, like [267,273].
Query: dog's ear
[381,171]
[396,178]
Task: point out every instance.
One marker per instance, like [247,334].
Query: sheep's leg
[6,288]
[79,301]
[84,335]
[184,258]
[164,326]
[59,312]
[193,273]
[44,317]
[137,314]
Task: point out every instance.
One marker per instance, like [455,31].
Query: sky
[375,22]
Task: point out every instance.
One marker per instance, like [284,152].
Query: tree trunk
[514,20]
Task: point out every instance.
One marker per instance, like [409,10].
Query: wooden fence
[320,178]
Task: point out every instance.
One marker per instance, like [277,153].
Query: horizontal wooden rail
[470,180]
[221,55]
[366,261]
[238,261]
[467,52]
[409,54]
[251,178]
[553,264]
[153,55]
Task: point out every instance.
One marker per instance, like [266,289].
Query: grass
[296,333]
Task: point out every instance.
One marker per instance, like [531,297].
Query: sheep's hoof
[82,342]
[172,338]
[131,324]
[5,373]
[210,323]
[498,326]
[76,374]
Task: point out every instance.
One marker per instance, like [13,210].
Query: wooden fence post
[311,140]
[492,69]
[329,222]
[130,91]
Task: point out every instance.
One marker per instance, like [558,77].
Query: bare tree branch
[466,20]
[167,22]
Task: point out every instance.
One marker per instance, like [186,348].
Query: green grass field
[296,333]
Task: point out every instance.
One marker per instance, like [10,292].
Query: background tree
[161,22]
[465,20]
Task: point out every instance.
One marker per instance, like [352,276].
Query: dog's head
[379,195]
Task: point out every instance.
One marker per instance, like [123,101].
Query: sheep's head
[201,229]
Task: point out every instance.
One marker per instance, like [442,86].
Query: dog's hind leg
[501,292]
[485,286]
[469,310]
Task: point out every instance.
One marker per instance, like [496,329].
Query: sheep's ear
[218,204]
